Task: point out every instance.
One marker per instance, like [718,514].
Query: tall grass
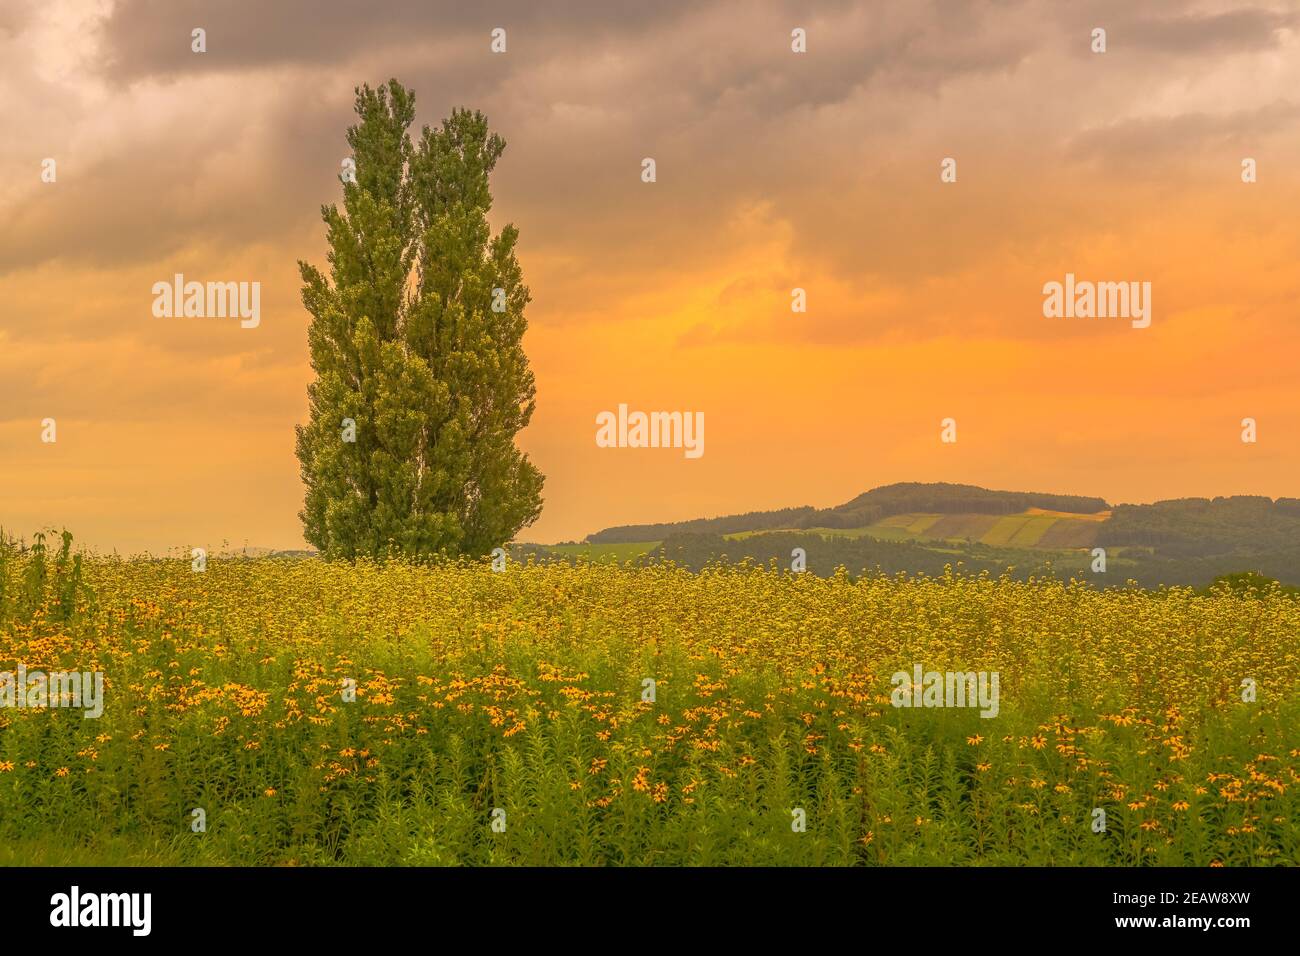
[522,691]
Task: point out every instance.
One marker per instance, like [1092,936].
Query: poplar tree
[415,338]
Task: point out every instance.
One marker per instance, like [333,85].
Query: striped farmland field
[923,524]
[1000,534]
[1031,530]
[1067,534]
[963,526]
[1034,528]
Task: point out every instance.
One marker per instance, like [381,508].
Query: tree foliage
[416,337]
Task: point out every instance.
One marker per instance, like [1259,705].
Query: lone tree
[415,337]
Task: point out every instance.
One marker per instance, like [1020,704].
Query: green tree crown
[416,337]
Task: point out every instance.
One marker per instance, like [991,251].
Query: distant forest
[1190,541]
[865,509]
[1198,527]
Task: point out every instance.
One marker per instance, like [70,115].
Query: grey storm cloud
[151,37]
[1176,28]
[708,52]
[587,89]
[1136,143]
[701,86]
[1245,30]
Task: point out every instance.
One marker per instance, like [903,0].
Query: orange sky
[775,170]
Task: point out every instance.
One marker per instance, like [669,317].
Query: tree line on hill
[1201,527]
[865,509]
[1189,541]
[824,554]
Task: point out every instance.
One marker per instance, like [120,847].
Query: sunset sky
[775,170]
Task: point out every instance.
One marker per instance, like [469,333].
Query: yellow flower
[641,782]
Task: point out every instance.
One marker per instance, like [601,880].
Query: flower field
[296,712]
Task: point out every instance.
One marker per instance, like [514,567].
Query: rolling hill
[868,509]
[916,527]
